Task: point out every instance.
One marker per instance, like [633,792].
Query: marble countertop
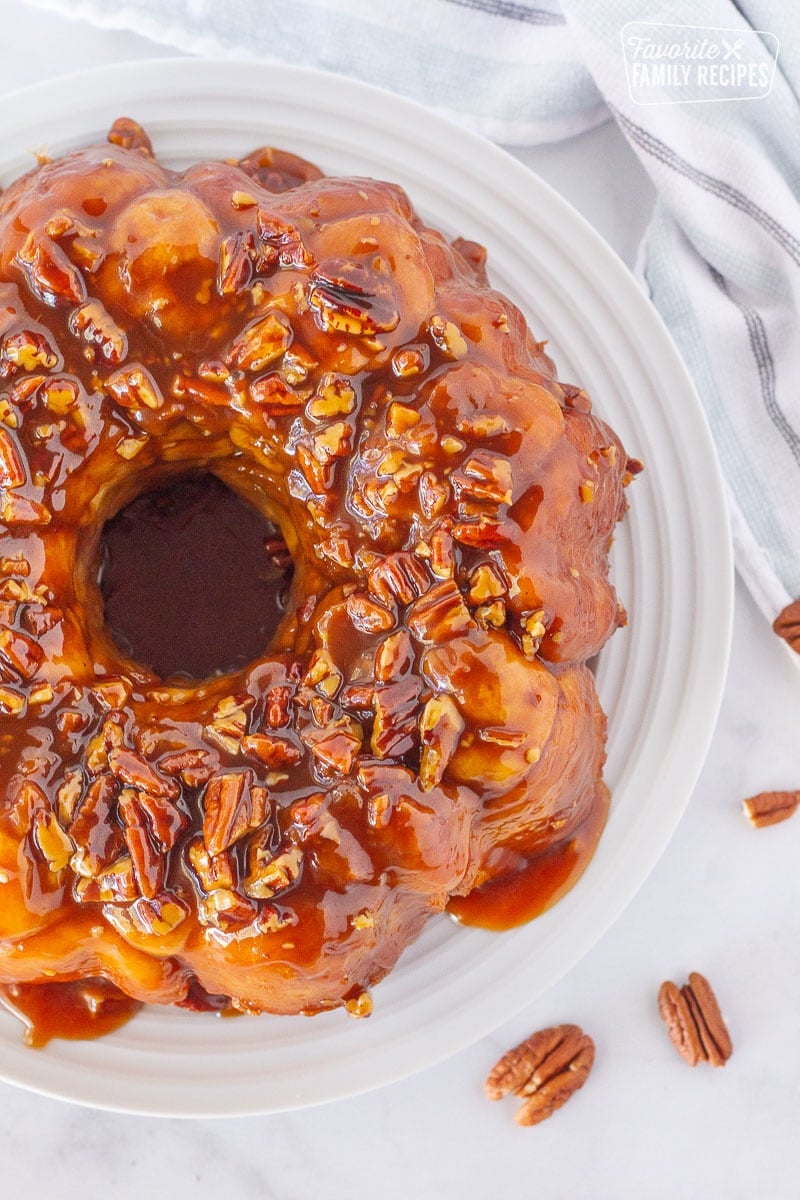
[724,899]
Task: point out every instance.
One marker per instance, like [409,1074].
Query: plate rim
[178,71]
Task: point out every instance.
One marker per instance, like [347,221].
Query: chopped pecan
[440,728]
[399,419]
[348,297]
[18,510]
[334,441]
[27,350]
[694,1022]
[268,874]
[399,577]
[439,614]
[277,753]
[68,794]
[394,730]
[226,909]
[275,396]
[261,343]
[165,819]
[768,808]
[22,654]
[49,273]
[96,836]
[394,656]
[110,735]
[545,1070]
[12,702]
[485,584]
[146,858]
[195,767]
[212,870]
[485,476]
[134,387]
[12,472]
[55,845]
[447,337]
[129,135]
[533,630]
[113,691]
[231,807]
[15,565]
[131,768]
[787,625]
[93,325]
[433,495]
[236,257]
[278,706]
[228,724]
[334,397]
[359,1005]
[442,557]
[369,615]
[39,619]
[283,245]
[336,745]
[158,915]
[483,533]
[117,884]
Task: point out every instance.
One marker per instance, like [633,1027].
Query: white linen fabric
[721,258]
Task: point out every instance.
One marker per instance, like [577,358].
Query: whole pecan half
[545,1070]
[787,625]
[694,1021]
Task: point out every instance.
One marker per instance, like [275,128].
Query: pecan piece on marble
[768,808]
[787,625]
[544,1070]
[695,1024]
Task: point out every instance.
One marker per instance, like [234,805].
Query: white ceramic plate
[660,679]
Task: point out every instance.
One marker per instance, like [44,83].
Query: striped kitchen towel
[713,113]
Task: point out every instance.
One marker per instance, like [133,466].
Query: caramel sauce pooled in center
[193,579]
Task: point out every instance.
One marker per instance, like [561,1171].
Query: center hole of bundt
[194,581]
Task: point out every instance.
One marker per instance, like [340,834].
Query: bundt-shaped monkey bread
[423,722]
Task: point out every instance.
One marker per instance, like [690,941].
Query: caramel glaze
[524,888]
[80,1009]
[275,836]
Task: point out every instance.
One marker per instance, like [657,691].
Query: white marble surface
[723,899]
